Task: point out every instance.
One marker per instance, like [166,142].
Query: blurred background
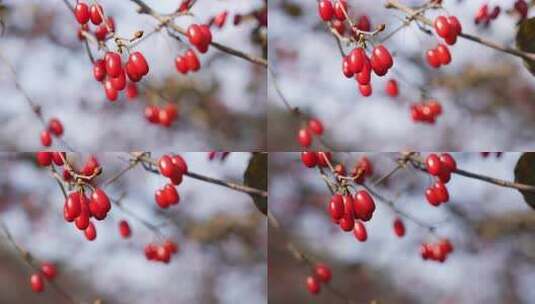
[486,95]
[222,106]
[221,235]
[491,228]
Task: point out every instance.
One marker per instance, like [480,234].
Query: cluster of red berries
[48,271]
[349,211]
[426,111]
[173,167]
[436,252]
[79,209]
[161,253]
[200,36]
[312,159]
[305,135]
[165,116]
[448,28]
[124,229]
[441,167]
[484,15]
[55,127]
[84,13]
[357,64]
[113,74]
[321,274]
[391,88]
[336,14]
[189,62]
[438,56]
[399,227]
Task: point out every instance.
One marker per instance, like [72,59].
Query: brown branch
[418,163]
[301,257]
[145,9]
[36,109]
[231,185]
[395,4]
[31,260]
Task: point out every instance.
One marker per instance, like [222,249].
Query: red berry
[304,138]
[363,23]
[322,272]
[448,161]
[442,26]
[180,163]
[131,90]
[192,60]
[399,227]
[313,285]
[356,60]
[152,114]
[170,246]
[336,207]
[99,70]
[48,270]
[181,65]
[132,72]
[340,9]
[139,63]
[96,12]
[441,192]
[315,126]
[90,232]
[383,55]
[309,159]
[43,158]
[432,197]
[46,138]
[73,205]
[161,199]
[100,197]
[346,67]
[433,58]
[324,158]
[36,283]
[363,205]
[124,229]
[166,166]
[110,90]
[365,90]
[326,10]
[119,82]
[195,35]
[347,222]
[81,12]
[113,64]
[443,54]
[55,126]
[392,88]
[433,164]
[171,195]
[360,231]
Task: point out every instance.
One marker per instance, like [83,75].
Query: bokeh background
[222,107]
[491,227]
[221,234]
[487,96]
